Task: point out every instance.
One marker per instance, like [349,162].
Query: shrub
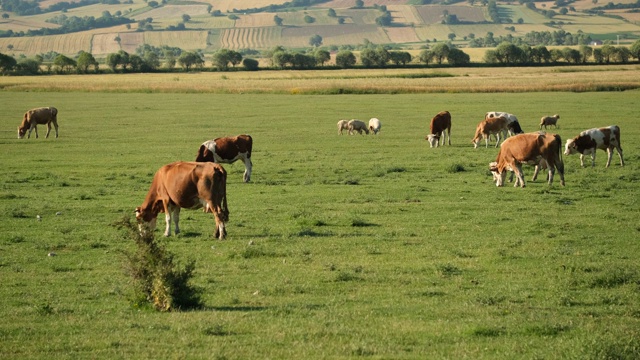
[156,277]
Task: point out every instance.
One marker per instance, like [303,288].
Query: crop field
[174,12]
[229,5]
[433,14]
[341,246]
[64,44]
[402,35]
[250,38]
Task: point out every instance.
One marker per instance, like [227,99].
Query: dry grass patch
[175,11]
[229,5]
[250,38]
[404,14]
[433,14]
[402,34]
[255,20]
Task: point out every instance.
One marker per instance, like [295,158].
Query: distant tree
[451,36]
[113,60]
[223,57]
[345,59]
[597,55]
[607,52]
[322,56]
[233,17]
[571,55]
[190,59]
[152,4]
[309,19]
[7,63]
[585,53]
[635,49]
[186,18]
[359,4]
[457,57]
[250,64]
[31,66]
[440,52]
[10,47]
[281,59]
[152,60]
[278,20]
[385,19]
[426,56]
[622,54]
[520,21]
[124,59]
[340,21]
[400,57]
[136,63]
[331,13]
[490,57]
[315,40]
[555,55]
[86,60]
[5,15]
[63,63]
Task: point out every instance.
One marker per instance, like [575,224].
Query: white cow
[374,125]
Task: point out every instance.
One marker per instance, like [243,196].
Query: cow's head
[21,132]
[433,140]
[570,147]
[146,220]
[498,177]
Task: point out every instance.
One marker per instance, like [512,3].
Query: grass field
[340,247]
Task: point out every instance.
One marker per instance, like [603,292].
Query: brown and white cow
[530,148]
[490,126]
[606,138]
[40,116]
[511,128]
[188,185]
[440,125]
[227,150]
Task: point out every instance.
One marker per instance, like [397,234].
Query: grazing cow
[510,118]
[374,126]
[606,138]
[342,125]
[488,127]
[531,148]
[39,116]
[359,126]
[440,125]
[514,128]
[189,185]
[228,150]
[549,120]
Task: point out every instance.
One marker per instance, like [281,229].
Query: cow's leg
[593,158]
[48,130]
[497,139]
[582,160]
[518,170]
[536,170]
[449,136]
[619,148]
[247,169]
[55,125]
[218,215]
[168,209]
[609,156]
[33,127]
[176,219]
[486,141]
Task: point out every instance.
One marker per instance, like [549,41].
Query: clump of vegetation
[455,168]
[156,277]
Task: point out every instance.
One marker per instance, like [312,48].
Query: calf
[440,125]
[531,148]
[342,125]
[228,150]
[588,141]
[549,120]
[510,119]
[359,126]
[189,185]
[488,127]
[40,116]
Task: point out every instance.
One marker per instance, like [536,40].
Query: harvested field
[297,18]
[255,20]
[360,17]
[250,38]
[344,4]
[174,11]
[229,5]
[103,44]
[212,22]
[631,17]
[433,14]
[186,40]
[130,41]
[402,34]
[22,24]
[404,14]
[69,44]
[335,35]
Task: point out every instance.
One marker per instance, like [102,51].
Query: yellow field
[404,14]
[520,79]
[186,40]
[24,24]
[344,4]
[250,38]
[255,20]
[229,5]
[402,34]
[174,12]
[64,44]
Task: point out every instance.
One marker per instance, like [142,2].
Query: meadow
[341,246]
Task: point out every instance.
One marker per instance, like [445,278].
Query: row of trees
[149,58]
[533,38]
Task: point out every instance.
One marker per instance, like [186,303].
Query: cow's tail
[249,145]
[560,163]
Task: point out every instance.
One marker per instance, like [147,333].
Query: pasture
[340,247]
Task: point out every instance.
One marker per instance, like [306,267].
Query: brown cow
[490,126]
[589,141]
[189,185]
[440,124]
[530,148]
[34,117]
[228,150]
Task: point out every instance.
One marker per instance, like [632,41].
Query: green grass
[340,247]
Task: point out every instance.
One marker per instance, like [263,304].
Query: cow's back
[441,121]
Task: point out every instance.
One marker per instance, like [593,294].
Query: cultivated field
[341,246]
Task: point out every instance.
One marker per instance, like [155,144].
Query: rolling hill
[208,25]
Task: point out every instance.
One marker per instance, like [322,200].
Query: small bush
[156,277]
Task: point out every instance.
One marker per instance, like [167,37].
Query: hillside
[244,24]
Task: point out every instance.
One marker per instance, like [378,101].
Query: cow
[488,127]
[588,141]
[40,116]
[510,118]
[530,148]
[440,125]
[514,128]
[542,164]
[227,150]
[188,185]
[342,125]
[374,125]
[359,126]
[549,120]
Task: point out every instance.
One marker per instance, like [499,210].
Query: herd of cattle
[202,183]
